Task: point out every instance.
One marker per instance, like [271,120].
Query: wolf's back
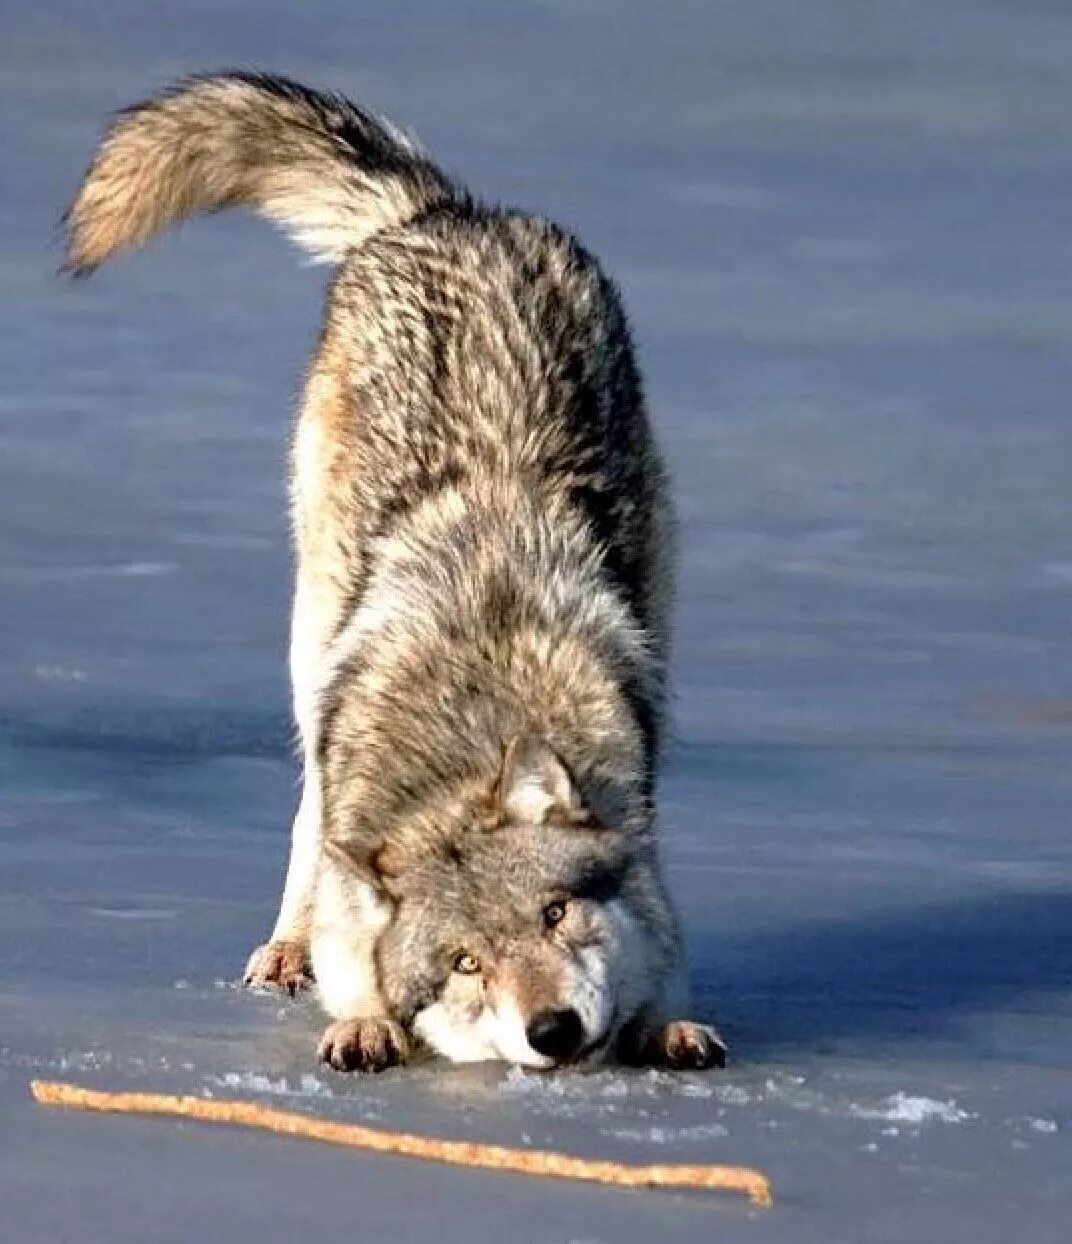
[328,172]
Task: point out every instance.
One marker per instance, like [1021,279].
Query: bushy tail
[329,173]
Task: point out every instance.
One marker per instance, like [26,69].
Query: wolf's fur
[480,621]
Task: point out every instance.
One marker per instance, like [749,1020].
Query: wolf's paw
[683,1045]
[363,1045]
[284,965]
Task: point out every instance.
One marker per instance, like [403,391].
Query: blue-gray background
[845,237]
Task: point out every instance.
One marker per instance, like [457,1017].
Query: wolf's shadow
[904,974]
[885,975]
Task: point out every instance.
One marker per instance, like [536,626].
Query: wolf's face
[523,941]
[520,946]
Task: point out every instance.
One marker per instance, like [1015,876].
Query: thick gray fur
[481,620]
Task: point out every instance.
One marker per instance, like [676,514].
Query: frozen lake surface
[845,238]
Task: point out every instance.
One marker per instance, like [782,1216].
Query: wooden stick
[459,1152]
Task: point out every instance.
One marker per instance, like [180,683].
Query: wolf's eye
[553,914]
[467,965]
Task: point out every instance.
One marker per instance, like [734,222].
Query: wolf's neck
[482,619]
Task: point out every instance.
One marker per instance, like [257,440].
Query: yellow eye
[553,914]
[467,965]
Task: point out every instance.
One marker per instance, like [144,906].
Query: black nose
[557,1034]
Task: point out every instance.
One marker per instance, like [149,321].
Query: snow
[669,1135]
[904,1108]
[306,1085]
[844,251]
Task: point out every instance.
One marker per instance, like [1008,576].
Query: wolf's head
[530,932]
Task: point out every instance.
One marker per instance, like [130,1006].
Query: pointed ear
[536,788]
[380,866]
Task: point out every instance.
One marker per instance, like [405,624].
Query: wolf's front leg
[684,1045]
[677,1044]
[652,1040]
[369,1044]
[348,919]
[284,959]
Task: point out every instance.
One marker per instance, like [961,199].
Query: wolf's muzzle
[556,1034]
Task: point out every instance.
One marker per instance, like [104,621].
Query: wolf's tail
[329,173]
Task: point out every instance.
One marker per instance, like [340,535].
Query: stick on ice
[459,1153]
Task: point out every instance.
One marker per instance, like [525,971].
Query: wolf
[481,618]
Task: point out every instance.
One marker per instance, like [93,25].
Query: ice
[132,913]
[732,1094]
[906,1108]
[251,1082]
[60,673]
[519,1082]
[670,1135]
[614,1088]
[841,231]
[312,1087]
[695,1088]
[306,1085]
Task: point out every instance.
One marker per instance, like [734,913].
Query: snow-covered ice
[904,1108]
[842,235]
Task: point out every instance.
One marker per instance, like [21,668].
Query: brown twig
[460,1153]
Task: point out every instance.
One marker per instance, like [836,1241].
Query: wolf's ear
[536,788]
[380,866]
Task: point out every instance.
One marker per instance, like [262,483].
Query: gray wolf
[481,615]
